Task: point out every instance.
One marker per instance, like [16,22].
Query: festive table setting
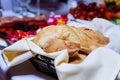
[22,58]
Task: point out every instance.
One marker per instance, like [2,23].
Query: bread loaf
[76,40]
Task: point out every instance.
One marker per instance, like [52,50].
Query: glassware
[24,4]
[42,6]
[0,9]
[38,7]
[34,7]
[16,7]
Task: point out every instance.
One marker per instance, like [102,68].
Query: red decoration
[90,11]
[56,20]
[17,30]
[117,15]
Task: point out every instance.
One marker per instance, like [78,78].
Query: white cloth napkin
[102,64]
[28,71]
[109,29]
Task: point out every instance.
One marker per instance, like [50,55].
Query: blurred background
[44,6]
[49,12]
[24,18]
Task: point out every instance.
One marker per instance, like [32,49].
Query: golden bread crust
[75,40]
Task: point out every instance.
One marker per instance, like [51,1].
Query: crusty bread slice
[59,37]
[79,57]
[54,45]
[90,39]
[62,32]
[56,38]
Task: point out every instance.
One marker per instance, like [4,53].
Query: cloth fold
[101,64]
[98,65]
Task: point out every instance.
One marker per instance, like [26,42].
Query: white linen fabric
[101,64]
[106,27]
[110,30]
[22,71]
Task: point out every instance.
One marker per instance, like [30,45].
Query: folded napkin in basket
[100,64]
